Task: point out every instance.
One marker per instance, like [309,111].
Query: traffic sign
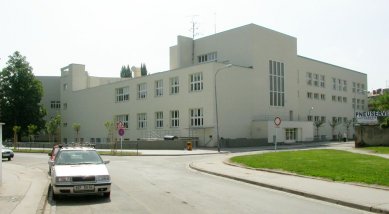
[121,131]
[277,121]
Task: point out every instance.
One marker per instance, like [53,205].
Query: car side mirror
[107,162]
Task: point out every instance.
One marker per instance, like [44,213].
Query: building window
[322,96]
[344,85]
[333,98]
[344,119]
[142,91]
[122,94]
[363,104]
[339,119]
[340,87]
[65,124]
[159,119]
[358,102]
[174,85]
[159,88]
[353,103]
[323,119]
[345,99]
[123,118]
[142,121]
[309,95]
[196,117]
[316,96]
[309,78]
[55,104]
[174,118]
[334,83]
[65,86]
[207,57]
[65,106]
[322,81]
[339,99]
[290,134]
[335,120]
[317,118]
[316,80]
[276,78]
[196,82]
[309,118]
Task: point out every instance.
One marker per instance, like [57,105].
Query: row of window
[209,57]
[196,118]
[316,96]
[315,80]
[55,104]
[324,119]
[359,104]
[195,84]
[318,80]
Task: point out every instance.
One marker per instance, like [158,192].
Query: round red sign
[277,121]
[121,132]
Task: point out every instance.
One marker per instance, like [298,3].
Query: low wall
[371,136]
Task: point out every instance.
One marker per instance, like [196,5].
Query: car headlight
[103,178]
[63,179]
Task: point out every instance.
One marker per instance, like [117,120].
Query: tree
[31,131]
[318,124]
[110,126]
[20,96]
[16,130]
[77,127]
[348,124]
[381,103]
[143,70]
[333,124]
[52,127]
[126,72]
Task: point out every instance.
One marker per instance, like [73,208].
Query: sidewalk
[351,195]
[23,189]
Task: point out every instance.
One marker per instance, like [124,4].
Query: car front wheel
[9,158]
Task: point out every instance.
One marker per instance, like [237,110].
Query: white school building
[232,84]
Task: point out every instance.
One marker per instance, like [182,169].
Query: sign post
[277,122]
[121,133]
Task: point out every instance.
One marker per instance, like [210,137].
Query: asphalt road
[168,185]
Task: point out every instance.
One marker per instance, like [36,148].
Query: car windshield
[75,157]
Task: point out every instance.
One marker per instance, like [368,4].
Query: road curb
[43,201]
[296,192]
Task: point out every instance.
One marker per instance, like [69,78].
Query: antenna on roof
[193,29]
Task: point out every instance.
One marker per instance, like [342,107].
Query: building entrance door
[290,135]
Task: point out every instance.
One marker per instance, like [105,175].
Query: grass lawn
[326,163]
[378,149]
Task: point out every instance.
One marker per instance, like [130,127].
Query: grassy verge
[378,149]
[330,164]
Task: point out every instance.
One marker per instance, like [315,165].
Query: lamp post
[217,114]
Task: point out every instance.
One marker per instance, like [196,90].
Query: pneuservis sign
[370,117]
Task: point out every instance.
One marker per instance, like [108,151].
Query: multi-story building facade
[231,84]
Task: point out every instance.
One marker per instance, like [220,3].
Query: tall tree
[125,72]
[20,96]
[381,103]
[143,70]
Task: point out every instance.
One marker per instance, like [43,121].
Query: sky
[105,35]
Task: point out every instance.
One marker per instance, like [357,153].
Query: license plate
[84,188]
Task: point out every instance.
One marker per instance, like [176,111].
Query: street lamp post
[217,114]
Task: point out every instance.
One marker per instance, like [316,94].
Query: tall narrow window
[142,91]
[174,118]
[159,88]
[196,117]
[309,78]
[322,81]
[142,121]
[276,77]
[159,119]
[196,82]
[174,85]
